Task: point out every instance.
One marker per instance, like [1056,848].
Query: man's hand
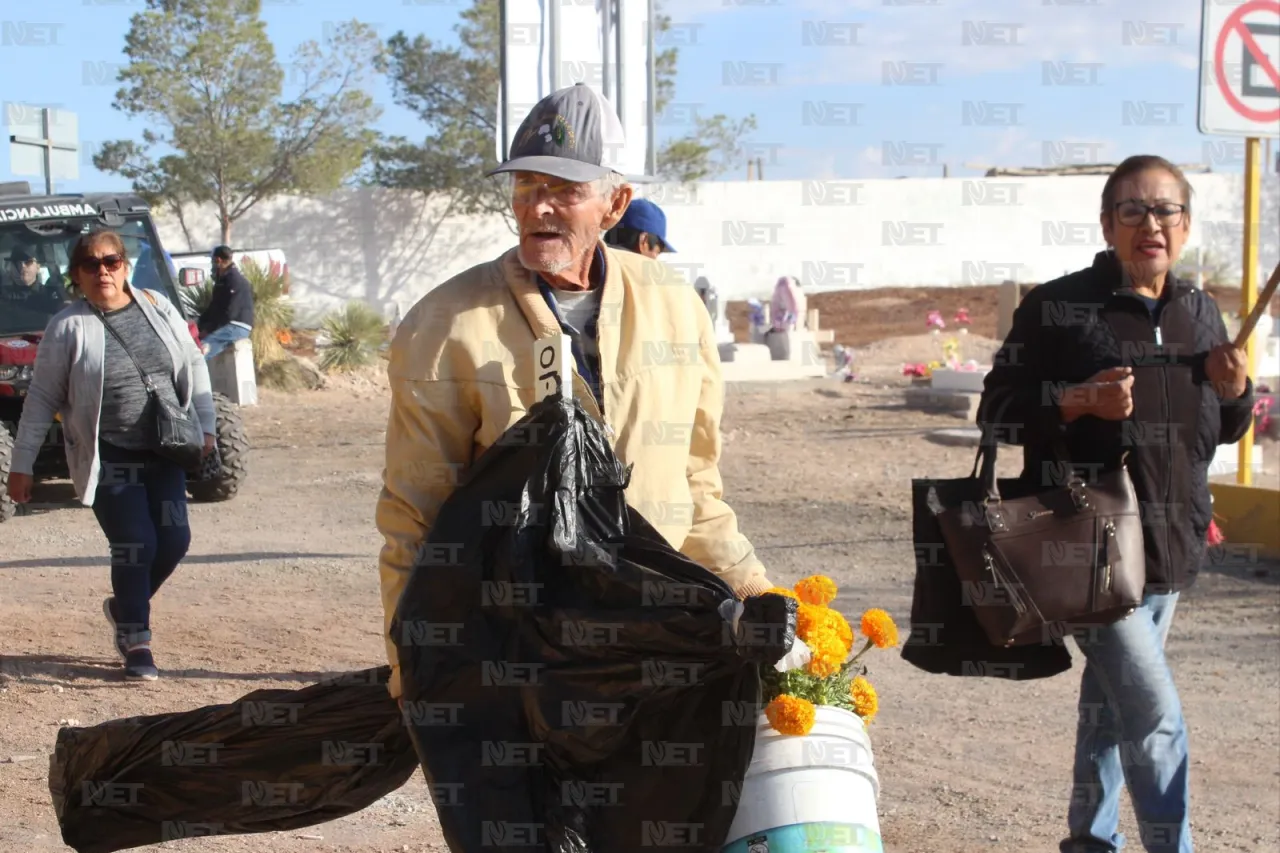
[19,487]
[208,444]
[1108,394]
[1227,370]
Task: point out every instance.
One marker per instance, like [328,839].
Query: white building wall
[389,248]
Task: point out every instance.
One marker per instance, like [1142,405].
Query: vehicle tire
[233,453]
[8,509]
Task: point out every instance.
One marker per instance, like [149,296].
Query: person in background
[229,317]
[22,283]
[89,370]
[642,229]
[451,399]
[1132,367]
[789,307]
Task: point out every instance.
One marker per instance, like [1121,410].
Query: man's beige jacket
[462,373]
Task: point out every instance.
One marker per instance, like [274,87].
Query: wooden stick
[1259,305]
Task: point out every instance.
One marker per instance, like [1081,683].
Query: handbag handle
[984,464]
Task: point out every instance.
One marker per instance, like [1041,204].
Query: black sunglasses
[111,262]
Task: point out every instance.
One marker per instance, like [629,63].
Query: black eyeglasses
[1167,214]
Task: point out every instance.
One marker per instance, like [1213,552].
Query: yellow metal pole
[1249,283]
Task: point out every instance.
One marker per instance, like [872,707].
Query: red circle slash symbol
[1235,24]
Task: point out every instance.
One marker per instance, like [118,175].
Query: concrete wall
[389,248]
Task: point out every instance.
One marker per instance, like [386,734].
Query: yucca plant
[355,333]
[272,312]
[196,299]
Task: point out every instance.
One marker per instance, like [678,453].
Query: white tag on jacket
[553,367]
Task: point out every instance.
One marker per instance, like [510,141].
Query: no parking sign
[1240,68]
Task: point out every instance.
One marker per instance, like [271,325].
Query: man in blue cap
[642,229]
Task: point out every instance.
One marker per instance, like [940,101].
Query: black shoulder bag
[178,436]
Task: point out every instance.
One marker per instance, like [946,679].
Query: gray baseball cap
[570,134]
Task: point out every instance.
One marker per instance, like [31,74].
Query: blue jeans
[220,339]
[1130,731]
[141,506]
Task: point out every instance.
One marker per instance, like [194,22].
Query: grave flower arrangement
[819,669]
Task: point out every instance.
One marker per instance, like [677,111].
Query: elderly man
[462,372]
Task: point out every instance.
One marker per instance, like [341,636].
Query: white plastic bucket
[810,793]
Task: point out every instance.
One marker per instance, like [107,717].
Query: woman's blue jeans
[1130,731]
[141,506]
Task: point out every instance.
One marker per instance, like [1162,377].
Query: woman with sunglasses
[1125,358]
[89,368]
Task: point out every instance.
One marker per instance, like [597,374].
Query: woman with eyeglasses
[1123,357]
[89,368]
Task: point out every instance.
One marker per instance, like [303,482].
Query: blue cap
[644,215]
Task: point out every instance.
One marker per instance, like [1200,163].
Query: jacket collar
[1108,275]
[524,288]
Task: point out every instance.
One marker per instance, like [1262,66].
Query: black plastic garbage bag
[571,682]
[274,760]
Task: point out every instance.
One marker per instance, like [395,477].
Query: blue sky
[840,88]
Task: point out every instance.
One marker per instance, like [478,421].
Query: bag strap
[146,380]
[986,458]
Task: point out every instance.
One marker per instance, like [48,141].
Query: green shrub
[355,333]
[197,299]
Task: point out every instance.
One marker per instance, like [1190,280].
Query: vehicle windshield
[34,280]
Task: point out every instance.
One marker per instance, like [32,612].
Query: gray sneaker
[138,663]
[108,609]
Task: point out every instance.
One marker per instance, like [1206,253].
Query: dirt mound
[363,380]
[893,353]
[861,317]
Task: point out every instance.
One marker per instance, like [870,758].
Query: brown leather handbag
[1035,560]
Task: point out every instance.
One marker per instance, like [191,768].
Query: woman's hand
[1227,371]
[208,444]
[19,487]
[1108,394]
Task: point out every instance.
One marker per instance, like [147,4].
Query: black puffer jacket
[232,302]
[1064,332]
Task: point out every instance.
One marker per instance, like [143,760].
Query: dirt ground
[281,586]
[861,317]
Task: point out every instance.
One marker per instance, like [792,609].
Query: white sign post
[553,367]
[1240,68]
[549,45]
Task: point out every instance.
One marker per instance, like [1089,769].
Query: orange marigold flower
[879,628]
[817,589]
[841,627]
[791,715]
[828,654]
[810,618]
[865,701]
[779,590]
